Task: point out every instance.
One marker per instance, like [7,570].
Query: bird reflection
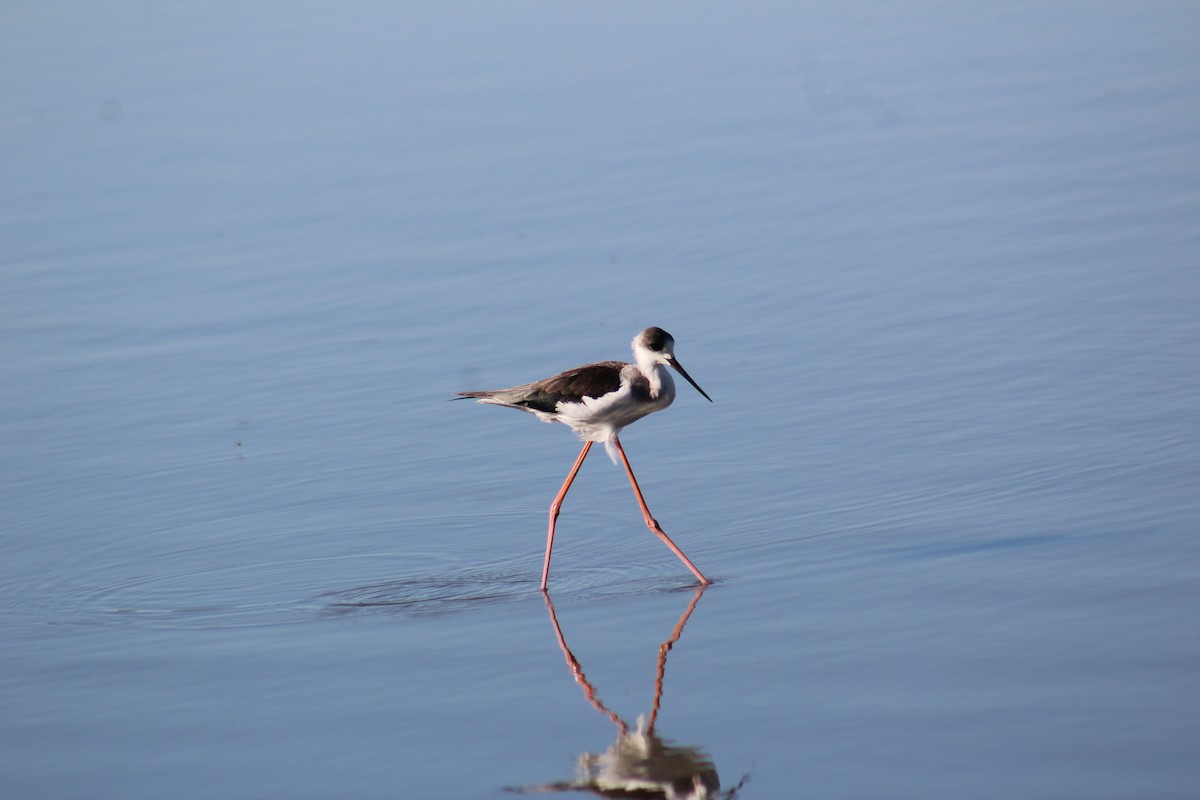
[639,764]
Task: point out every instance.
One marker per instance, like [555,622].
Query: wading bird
[597,401]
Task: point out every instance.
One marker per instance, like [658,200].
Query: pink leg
[554,507]
[650,521]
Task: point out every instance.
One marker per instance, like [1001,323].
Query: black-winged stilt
[597,401]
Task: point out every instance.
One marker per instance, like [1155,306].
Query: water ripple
[299,591]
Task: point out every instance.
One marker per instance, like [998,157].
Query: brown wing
[590,380]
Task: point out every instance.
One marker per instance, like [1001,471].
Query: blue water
[938,266]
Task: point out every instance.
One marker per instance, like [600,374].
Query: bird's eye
[655,346]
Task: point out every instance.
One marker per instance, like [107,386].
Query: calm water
[937,266]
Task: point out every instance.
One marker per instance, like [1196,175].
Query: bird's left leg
[556,505]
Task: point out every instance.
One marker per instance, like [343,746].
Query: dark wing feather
[590,380]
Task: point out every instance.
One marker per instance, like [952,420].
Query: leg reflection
[639,763]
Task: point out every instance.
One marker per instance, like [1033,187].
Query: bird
[597,401]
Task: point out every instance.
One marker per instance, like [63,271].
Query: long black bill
[679,368]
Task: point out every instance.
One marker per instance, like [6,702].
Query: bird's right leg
[556,505]
[652,523]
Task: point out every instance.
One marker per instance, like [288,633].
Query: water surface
[936,265]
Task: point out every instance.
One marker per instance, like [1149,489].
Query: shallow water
[937,267]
